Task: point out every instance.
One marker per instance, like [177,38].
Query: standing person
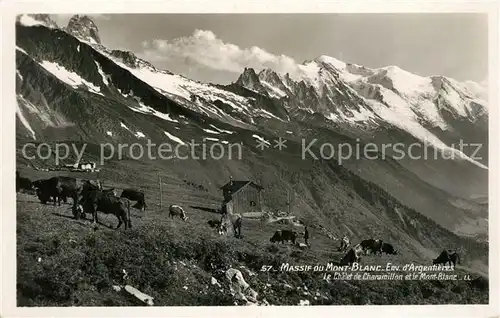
[306,236]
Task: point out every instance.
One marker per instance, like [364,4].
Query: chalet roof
[237,185]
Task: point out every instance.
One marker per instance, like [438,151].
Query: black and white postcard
[249,160]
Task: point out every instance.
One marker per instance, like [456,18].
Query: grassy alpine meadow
[66,262]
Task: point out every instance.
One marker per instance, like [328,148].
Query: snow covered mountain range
[66,78]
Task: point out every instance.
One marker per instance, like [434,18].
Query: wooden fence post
[288,200]
[161,199]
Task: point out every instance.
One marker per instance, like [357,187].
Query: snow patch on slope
[101,72]
[211,139]
[144,109]
[211,131]
[269,114]
[124,126]
[174,138]
[261,139]
[43,112]
[140,135]
[21,50]
[222,130]
[24,121]
[274,91]
[68,77]
[19,74]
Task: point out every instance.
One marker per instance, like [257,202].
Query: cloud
[204,49]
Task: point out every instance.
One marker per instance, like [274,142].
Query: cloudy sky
[216,48]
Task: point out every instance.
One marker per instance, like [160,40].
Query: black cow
[176,210]
[23,183]
[70,188]
[388,249]
[45,190]
[78,210]
[57,188]
[97,200]
[352,256]
[374,246]
[446,257]
[135,195]
[283,236]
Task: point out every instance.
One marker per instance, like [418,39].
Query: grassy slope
[78,266]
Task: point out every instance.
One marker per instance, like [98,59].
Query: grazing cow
[372,245]
[46,189]
[283,236]
[352,256]
[235,220]
[86,188]
[135,195]
[446,257]
[58,188]
[23,183]
[388,249]
[344,244]
[96,200]
[175,210]
[69,187]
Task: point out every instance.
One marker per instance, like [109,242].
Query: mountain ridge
[236,107]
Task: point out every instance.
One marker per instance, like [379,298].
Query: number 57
[266,268]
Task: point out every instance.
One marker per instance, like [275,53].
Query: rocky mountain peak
[131,60]
[250,79]
[270,76]
[84,28]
